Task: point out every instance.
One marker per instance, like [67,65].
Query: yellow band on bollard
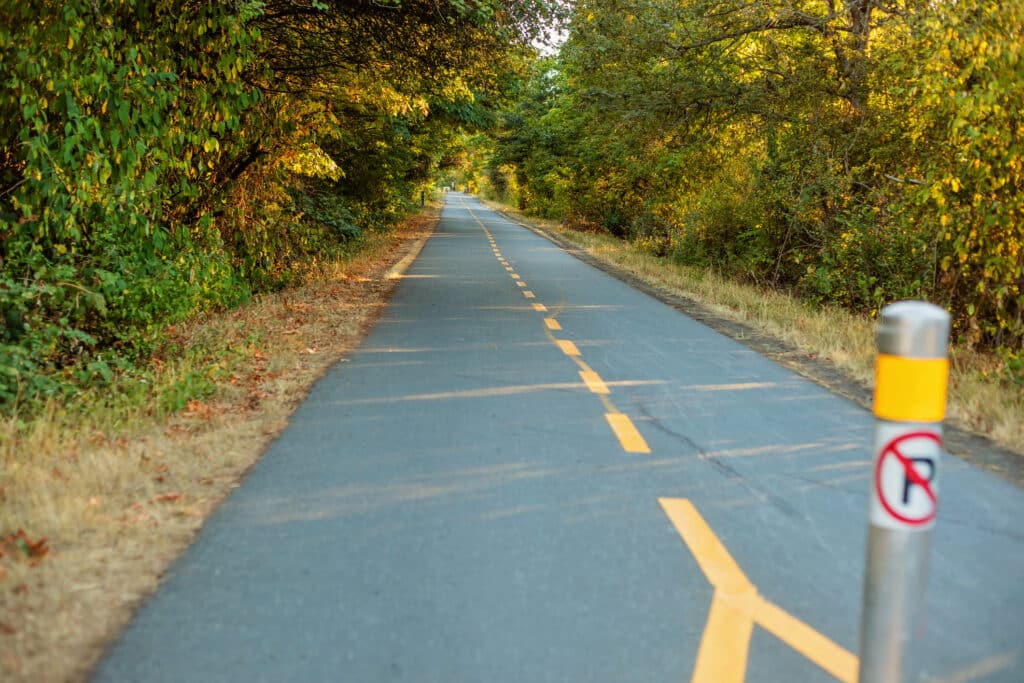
[911,389]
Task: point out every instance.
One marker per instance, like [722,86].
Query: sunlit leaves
[856,153]
[161,158]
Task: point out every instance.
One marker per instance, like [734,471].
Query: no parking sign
[911,378]
[904,492]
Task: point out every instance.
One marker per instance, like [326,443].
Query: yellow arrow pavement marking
[540,308]
[552,324]
[722,657]
[528,294]
[736,607]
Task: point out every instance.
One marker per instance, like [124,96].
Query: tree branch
[787,22]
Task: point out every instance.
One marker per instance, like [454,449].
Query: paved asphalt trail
[452,505]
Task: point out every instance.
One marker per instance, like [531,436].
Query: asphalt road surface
[532,472]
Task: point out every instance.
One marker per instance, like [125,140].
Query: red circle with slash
[911,477]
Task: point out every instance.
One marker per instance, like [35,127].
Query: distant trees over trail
[856,153]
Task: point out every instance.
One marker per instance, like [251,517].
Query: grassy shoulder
[97,498]
[981,399]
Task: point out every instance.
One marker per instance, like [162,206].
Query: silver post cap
[913,329]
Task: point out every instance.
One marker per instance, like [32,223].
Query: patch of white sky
[552,42]
[555,32]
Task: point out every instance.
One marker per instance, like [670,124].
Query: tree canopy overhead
[162,158]
[856,153]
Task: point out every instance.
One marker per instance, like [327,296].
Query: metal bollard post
[911,376]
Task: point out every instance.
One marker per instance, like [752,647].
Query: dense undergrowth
[163,159]
[854,155]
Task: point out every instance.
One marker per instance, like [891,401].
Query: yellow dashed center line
[622,426]
[736,605]
[594,382]
[627,433]
[568,348]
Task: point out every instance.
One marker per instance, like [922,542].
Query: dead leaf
[195,409]
[19,543]
[166,498]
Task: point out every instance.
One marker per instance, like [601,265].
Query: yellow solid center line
[568,348]
[528,294]
[552,324]
[722,657]
[608,405]
[594,382]
[723,650]
[540,308]
[834,659]
[627,433]
[714,560]
[584,367]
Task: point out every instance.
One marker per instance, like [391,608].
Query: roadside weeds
[95,504]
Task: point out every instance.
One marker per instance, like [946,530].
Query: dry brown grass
[117,495]
[978,401]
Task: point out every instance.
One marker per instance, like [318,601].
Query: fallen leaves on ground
[20,545]
[130,500]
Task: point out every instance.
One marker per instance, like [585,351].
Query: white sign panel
[903,492]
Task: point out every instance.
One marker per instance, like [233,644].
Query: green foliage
[966,108]
[855,155]
[108,133]
[153,155]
